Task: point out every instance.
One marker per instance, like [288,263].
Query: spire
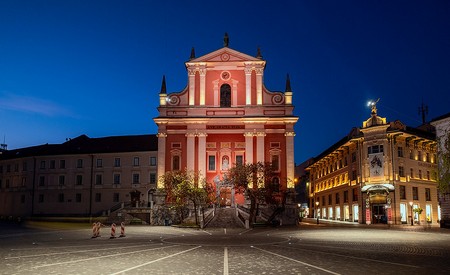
[226,40]
[288,84]
[258,53]
[163,86]
[192,54]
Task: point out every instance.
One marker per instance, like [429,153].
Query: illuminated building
[377,174]
[80,177]
[224,116]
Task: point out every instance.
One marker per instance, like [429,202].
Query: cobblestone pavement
[304,249]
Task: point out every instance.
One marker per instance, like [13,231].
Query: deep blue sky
[95,67]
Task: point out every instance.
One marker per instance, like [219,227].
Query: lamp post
[317,211]
[412,217]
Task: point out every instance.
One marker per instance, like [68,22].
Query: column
[259,74]
[190,151]
[161,157]
[201,155]
[202,86]
[248,147]
[290,165]
[260,146]
[191,73]
[248,86]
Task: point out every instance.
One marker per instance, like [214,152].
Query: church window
[211,163]
[225,95]
[176,163]
[276,162]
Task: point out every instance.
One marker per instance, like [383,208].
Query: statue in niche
[225,163]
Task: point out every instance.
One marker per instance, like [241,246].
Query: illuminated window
[225,95]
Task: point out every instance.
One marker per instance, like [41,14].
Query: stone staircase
[225,218]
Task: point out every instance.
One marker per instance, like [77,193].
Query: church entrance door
[225,196]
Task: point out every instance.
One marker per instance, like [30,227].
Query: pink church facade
[225,116]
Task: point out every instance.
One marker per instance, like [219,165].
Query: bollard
[98,228]
[122,230]
[94,230]
[113,231]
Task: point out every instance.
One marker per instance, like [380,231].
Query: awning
[378,187]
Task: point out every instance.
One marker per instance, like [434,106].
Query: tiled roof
[86,145]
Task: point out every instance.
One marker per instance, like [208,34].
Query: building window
[411,154]
[22,199]
[61,180]
[420,174]
[401,171]
[345,196]
[152,161]
[176,163]
[62,164]
[152,178]
[116,178]
[99,163]
[225,95]
[412,173]
[276,184]
[337,198]
[355,194]
[239,160]
[61,197]
[98,179]
[428,175]
[428,157]
[211,163]
[276,163]
[42,165]
[79,163]
[41,180]
[353,157]
[116,197]
[354,175]
[79,180]
[24,166]
[52,164]
[323,200]
[24,181]
[41,198]
[415,193]
[428,194]
[135,178]
[330,199]
[136,161]
[98,197]
[375,149]
[400,151]
[77,197]
[116,162]
[419,156]
[402,192]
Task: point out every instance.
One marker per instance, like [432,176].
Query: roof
[441,117]
[86,145]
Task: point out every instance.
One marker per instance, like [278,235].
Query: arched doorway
[225,95]
[135,198]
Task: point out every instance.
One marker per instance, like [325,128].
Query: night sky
[95,67]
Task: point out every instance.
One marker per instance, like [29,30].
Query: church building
[223,117]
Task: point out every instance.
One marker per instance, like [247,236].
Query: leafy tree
[256,180]
[182,189]
[444,163]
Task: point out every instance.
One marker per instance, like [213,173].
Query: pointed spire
[192,54]
[258,53]
[163,86]
[226,40]
[288,84]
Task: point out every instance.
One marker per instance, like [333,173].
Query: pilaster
[161,157]
[290,165]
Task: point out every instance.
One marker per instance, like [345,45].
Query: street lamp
[317,211]
[411,204]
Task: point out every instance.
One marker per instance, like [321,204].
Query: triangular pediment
[224,54]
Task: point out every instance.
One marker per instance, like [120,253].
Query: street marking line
[245,231]
[160,259]
[353,257]
[39,247]
[207,232]
[100,257]
[297,261]
[72,252]
[225,261]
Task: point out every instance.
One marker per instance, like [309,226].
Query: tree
[182,189]
[444,163]
[256,180]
